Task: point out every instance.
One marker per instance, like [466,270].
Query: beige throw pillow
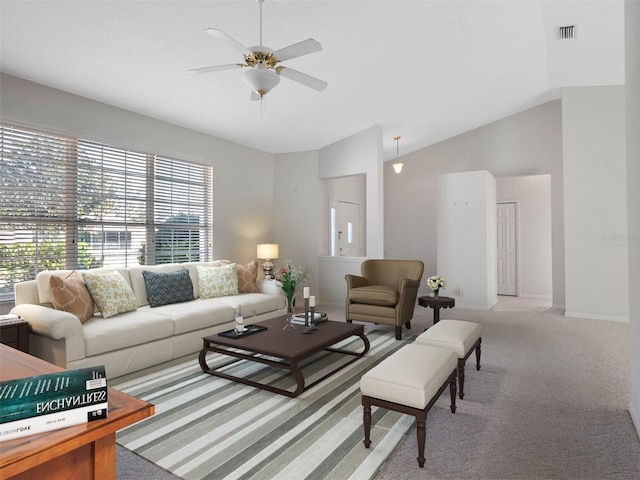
[247,277]
[217,281]
[111,292]
[70,294]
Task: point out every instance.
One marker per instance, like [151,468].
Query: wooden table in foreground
[82,452]
[290,347]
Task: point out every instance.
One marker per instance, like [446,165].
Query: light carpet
[211,428]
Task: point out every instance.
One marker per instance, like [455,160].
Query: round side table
[437,303]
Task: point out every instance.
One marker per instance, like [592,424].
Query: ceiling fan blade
[299,49]
[222,37]
[302,78]
[217,68]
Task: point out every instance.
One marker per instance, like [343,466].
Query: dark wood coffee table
[287,348]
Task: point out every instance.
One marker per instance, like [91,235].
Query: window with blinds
[70,203]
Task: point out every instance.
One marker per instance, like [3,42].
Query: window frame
[64,176]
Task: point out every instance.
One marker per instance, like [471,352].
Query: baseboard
[595,316]
[635,418]
[535,296]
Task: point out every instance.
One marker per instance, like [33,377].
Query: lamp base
[267,267]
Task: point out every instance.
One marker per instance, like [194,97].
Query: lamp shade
[397,167]
[267,251]
[260,80]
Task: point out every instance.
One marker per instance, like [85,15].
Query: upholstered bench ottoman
[458,335]
[409,381]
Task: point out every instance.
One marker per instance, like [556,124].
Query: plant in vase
[291,279]
[435,283]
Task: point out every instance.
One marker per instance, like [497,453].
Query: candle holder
[307,328]
[312,318]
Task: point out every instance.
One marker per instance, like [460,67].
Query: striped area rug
[211,428]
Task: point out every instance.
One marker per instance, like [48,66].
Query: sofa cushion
[374,295]
[199,314]
[166,288]
[217,281]
[125,330]
[111,292]
[70,294]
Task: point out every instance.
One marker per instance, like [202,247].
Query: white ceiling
[425,70]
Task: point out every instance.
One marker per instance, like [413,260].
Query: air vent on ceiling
[567,32]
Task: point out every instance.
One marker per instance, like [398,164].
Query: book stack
[298,318]
[47,402]
[9,319]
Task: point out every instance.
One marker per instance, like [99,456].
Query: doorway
[507,251]
[346,229]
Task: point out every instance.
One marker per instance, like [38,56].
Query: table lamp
[267,252]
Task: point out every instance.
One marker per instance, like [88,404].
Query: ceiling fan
[261,70]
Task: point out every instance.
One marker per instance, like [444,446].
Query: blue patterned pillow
[166,288]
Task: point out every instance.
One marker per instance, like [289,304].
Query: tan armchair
[385,292]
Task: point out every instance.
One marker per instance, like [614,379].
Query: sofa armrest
[49,322]
[406,284]
[269,287]
[355,281]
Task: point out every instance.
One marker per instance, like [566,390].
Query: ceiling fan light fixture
[260,80]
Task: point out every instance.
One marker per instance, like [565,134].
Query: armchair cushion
[374,295]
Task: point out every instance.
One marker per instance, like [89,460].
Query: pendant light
[397,166]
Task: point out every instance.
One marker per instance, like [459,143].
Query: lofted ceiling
[425,70]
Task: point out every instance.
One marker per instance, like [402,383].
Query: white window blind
[70,203]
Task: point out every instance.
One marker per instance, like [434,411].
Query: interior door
[507,249]
[348,230]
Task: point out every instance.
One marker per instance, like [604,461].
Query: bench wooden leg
[478,353]
[421,431]
[452,390]
[367,421]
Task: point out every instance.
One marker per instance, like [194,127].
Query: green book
[46,402]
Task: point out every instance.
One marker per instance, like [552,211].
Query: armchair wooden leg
[408,324]
[398,333]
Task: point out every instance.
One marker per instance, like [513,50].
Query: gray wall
[528,143]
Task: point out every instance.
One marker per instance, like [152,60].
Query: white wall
[632,57]
[243,177]
[466,226]
[595,201]
[533,196]
[361,153]
[528,143]
[296,219]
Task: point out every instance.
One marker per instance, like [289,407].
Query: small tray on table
[248,330]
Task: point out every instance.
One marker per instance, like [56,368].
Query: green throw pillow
[217,281]
[166,288]
[111,292]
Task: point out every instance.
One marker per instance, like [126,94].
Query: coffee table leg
[203,361]
[295,369]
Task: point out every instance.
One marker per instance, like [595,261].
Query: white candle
[305,292]
[312,301]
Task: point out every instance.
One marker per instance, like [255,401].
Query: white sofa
[141,338]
